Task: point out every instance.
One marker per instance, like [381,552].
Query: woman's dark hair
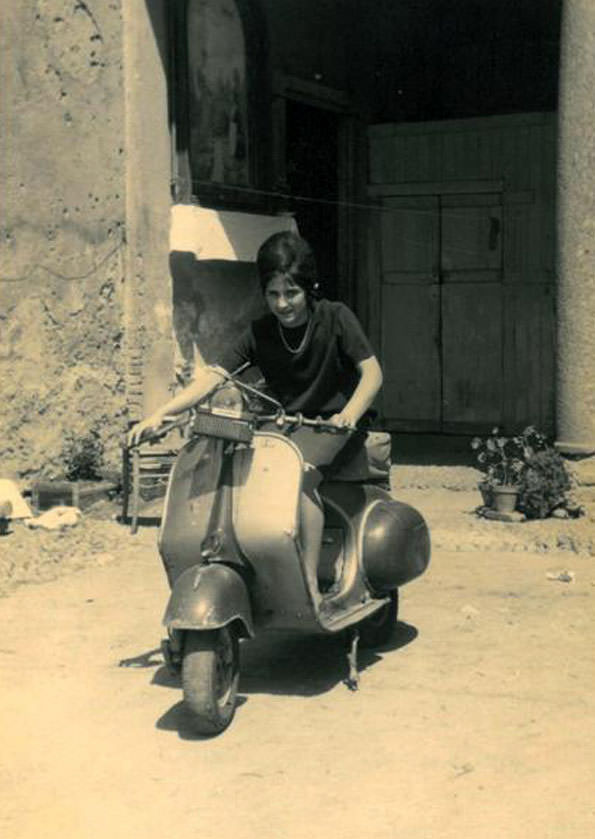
[288,254]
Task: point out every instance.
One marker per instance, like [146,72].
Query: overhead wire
[64,277]
[286,196]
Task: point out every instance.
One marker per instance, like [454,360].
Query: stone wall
[62,153]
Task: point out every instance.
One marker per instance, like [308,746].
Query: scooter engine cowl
[396,545]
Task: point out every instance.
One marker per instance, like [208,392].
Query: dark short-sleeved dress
[316,377]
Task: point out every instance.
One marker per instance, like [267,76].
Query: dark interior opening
[312,176]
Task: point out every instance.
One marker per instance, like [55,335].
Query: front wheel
[378,629]
[210,676]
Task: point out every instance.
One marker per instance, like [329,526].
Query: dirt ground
[476,721]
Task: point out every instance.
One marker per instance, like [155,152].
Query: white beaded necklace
[302,343]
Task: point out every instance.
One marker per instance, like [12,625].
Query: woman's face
[287,301]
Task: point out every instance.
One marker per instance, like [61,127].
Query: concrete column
[575,386]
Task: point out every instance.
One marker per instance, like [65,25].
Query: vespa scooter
[231,546]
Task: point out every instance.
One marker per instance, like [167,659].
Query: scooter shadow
[308,665]
[286,665]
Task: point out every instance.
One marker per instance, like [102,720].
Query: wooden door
[441,312]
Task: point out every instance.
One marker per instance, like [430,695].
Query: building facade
[148,146]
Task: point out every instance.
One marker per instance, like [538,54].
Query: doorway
[312,166]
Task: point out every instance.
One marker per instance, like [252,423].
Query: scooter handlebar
[298,420]
[280,419]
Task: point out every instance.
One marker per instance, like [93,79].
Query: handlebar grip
[150,436]
[299,420]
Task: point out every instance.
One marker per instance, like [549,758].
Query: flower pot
[487,495]
[504,498]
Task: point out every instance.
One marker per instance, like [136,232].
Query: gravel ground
[455,526]
[35,556]
[473,722]
[446,496]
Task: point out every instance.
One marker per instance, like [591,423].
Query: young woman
[315,359]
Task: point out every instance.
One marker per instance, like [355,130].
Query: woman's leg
[311,526]
[319,449]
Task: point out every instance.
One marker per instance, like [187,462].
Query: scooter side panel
[395,544]
[192,485]
[394,540]
[267,481]
[208,597]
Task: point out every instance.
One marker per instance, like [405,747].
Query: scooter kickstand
[352,680]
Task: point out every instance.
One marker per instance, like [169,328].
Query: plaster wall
[62,154]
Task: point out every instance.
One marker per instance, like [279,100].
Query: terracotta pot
[505,498]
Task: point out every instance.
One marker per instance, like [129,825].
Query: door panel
[410,354]
[471,237]
[410,238]
[471,271]
[410,312]
[472,353]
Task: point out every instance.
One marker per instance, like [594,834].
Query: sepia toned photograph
[297,472]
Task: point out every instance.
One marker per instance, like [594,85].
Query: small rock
[560,513]
[104,558]
[470,611]
[566,543]
[5,509]
[494,515]
[561,576]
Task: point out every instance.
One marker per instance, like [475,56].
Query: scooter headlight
[227,401]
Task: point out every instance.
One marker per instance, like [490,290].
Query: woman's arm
[364,394]
[206,378]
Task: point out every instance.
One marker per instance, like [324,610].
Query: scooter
[231,547]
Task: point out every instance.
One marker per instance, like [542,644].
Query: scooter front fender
[209,597]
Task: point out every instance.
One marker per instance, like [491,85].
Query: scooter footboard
[209,597]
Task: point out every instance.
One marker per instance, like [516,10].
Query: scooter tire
[379,628]
[210,677]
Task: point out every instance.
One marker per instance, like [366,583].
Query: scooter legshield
[209,597]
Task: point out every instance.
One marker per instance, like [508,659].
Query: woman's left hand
[343,420]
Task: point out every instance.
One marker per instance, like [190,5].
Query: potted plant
[524,472]
[503,461]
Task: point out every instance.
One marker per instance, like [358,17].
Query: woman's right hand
[151,424]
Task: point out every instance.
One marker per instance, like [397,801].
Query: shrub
[82,456]
[543,484]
